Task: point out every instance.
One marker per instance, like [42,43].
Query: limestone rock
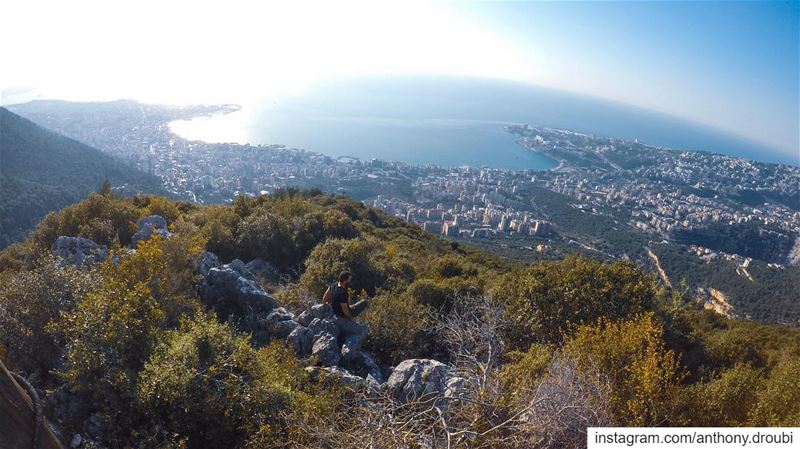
[148,227]
[206,262]
[326,350]
[78,251]
[279,323]
[305,318]
[417,378]
[320,326]
[228,292]
[300,340]
[321,311]
[341,375]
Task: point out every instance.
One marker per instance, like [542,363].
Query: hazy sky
[735,66]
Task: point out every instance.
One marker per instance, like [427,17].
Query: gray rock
[341,375]
[351,348]
[206,262]
[148,227]
[153,221]
[146,234]
[276,316]
[300,340]
[321,311]
[320,326]
[417,378]
[264,270]
[76,441]
[228,292]
[326,350]
[364,359]
[305,318]
[241,268]
[282,329]
[78,251]
[456,387]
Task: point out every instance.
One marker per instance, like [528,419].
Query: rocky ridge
[316,335]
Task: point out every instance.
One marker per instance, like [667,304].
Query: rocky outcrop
[230,293]
[326,350]
[324,326]
[279,323]
[317,336]
[78,251]
[148,227]
[342,377]
[417,379]
[300,339]
[206,262]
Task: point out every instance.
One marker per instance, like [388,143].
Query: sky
[734,66]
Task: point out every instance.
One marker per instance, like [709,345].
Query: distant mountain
[42,171]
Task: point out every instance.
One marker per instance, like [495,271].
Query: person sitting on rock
[338,297]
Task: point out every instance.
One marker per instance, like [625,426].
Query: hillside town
[653,190]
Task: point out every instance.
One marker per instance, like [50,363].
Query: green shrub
[29,301]
[210,386]
[94,215]
[269,236]
[524,369]
[643,374]
[430,293]
[328,259]
[778,401]
[163,207]
[545,300]
[397,326]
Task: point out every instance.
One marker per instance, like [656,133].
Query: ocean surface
[447,122]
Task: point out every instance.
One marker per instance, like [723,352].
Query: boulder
[352,345]
[228,292]
[148,227]
[305,318]
[320,326]
[321,311]
[365,360]
[326,350]
[279,323]
[262,269]
[417,378]
[241,268]
[300,340]
[276,316]
[206,262]
[152,221]
[78,251]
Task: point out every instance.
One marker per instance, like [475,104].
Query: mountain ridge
[43,171]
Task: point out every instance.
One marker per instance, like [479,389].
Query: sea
[447,121]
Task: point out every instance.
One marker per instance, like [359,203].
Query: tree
[106,188]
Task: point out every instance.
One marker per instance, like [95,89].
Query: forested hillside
[41,171]
[171,325]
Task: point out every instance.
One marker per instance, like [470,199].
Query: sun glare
[184,52]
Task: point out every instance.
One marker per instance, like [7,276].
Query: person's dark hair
[344,276]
